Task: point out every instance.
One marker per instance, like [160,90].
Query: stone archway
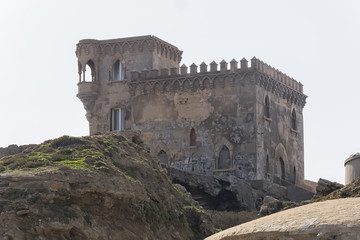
[163,158]
[223,154]
[281,168]
[224,160]
[162,152]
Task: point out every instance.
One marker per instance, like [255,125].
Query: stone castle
[227,119]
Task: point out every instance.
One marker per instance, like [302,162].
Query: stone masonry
[226,119]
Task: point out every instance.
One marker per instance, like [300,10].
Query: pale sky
[317,42]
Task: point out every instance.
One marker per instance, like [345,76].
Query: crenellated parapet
[94,47]
[196,77]
[276,74]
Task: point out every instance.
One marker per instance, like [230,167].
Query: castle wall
[221,116]
[277,139]
[212,121]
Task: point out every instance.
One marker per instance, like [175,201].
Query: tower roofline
[127,39]
[151,42]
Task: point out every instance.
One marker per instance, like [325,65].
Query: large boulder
[332,219]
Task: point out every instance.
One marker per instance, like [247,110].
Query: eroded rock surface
[99,187]
[333,219]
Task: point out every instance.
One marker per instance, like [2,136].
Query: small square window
[117,119]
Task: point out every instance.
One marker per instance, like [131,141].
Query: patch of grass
[80,153]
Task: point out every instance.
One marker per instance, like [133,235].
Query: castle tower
[227,119]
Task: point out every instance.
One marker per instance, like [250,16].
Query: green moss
[156,215]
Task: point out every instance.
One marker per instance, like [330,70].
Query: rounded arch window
[90,74]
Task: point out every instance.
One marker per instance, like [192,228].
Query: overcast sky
[316,42]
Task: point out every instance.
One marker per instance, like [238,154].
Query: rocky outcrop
[325,187]
[217,193]
[341,191]
[14,149]
[333,219]
[99,187]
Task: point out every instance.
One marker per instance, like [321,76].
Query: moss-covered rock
[98,187]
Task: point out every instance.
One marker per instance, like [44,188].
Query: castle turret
[352,168]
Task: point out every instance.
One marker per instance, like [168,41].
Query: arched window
[224,161]
[90,74]
[118,71]
[294,175]
[163,158]
[282,168]
[192,137]
[293,120]
[267,107]
[267,167]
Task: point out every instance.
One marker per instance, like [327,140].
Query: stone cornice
[192,82]
[120,45]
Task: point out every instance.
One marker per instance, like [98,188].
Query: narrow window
[294,173]
[89,74]
[79,70]
[293,120]
[163,158]
[224,161]
[117,119]
[282,168]
[267,167]
[118,71]
[267,107]
[192,137]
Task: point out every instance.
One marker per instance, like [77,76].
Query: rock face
[324,187]
[14,149]
[333,219]
[99,187]
[217,193]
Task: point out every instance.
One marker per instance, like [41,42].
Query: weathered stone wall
[135,53]
[221,116]
[277,139]
[210,121]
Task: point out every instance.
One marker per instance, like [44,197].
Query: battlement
[225,67]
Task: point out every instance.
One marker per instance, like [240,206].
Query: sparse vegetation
[75,153]
[137,188]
